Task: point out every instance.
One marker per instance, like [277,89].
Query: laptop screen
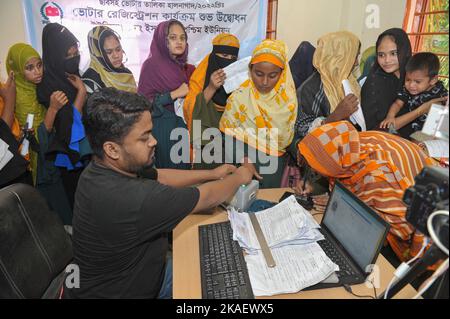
[355,225]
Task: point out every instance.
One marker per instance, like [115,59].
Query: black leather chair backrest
[34,247]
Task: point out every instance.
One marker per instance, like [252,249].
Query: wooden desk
[186,257]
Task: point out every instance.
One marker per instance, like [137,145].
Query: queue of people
[101,152]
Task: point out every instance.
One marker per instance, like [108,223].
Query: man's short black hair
[110,114]
[424,61]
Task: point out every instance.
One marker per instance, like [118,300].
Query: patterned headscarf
[120,78]
[376,166]
[249,110]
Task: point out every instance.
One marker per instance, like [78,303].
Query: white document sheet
[178,106]
[297,267]
[286,223]
[237,73]
[5,154]
[358,116]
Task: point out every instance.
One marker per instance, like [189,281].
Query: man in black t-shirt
[121,215]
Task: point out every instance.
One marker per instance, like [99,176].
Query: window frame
[272,14]
[415,23]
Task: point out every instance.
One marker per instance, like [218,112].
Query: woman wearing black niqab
[61,61]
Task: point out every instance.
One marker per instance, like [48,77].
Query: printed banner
[135,22]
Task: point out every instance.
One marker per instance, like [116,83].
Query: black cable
[317,214]
[349,289]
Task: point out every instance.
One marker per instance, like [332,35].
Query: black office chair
[34,246]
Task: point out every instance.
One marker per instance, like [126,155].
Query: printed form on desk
[298,267]
[287,223]
[291,233]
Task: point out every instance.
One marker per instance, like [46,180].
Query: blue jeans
[166,287]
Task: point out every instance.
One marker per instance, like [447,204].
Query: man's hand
[247,163]
[223,170]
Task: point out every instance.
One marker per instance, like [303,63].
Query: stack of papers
[292,234]
[285,224]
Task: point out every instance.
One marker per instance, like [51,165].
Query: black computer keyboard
[337,258]
[222,264]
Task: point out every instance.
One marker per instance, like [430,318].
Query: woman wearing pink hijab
[164,79]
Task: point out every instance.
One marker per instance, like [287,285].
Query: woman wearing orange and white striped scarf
[376,166]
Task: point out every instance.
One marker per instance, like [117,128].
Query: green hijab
[26,98]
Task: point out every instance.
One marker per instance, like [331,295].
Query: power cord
[444,266]
[430,281]
[432,232]
[349,290]
[404,268]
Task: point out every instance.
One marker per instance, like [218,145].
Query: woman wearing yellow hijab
[207,98]
[260,115]
[107,68]
[26,64]
[321,97]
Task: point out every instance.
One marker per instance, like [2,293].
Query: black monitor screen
[355,225]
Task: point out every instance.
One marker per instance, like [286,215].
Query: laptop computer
[354,235]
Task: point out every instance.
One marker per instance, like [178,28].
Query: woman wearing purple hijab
[164,79]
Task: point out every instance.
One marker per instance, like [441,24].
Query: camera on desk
[430,193]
